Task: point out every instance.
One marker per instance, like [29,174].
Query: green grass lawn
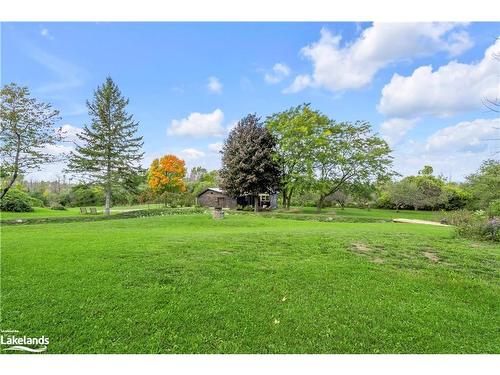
[250,284]
[348,212]
[40,212]
[373,213]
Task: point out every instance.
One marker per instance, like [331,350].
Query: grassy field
[250,284]
[348,212]
[372,213]
[40,212]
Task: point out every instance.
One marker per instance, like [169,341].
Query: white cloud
[215,147]
[453,88]
[67,75]
[353,65]
[394,130]
[455,151]
[299,83]
[280,72]
[468,136]
[46,34]
[192,154]
[70,132]
[214,85]
[56,150]
[454,165]
[199,124]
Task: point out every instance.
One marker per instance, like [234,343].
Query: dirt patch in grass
[372,253]
[431,256]
[361,247]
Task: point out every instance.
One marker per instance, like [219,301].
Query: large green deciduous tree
[110,150]
[405,193]
[27,130]
[346,152]
[294,131]
[249,164]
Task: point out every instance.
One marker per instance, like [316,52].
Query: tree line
[301,149]
[300,153]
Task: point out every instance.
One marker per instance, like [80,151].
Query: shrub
[174,200]
[16,201]
[39,198]
[87,195]
[475,225]
[35,202]
[494,208]
[57,207]
[456,197]
[384,200]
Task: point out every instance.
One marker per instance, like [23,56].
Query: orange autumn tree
[166,174]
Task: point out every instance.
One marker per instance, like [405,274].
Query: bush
[384,200]
[87,195]
[494,209]
[456,197]
[57,207]
[34,202]
[16,201]
[39,198]
[475,225]
[174,200]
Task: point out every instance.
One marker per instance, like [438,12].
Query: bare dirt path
[415,221]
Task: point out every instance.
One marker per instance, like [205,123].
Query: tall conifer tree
[110,150]
[249,164]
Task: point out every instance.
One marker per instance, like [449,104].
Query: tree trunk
[289,198]
[108,202]
[319,206]
[9,185]
[285,199]
[16,168]
[256,203]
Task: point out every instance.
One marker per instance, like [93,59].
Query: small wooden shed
[215,197]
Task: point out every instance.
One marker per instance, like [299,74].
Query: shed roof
[217,190]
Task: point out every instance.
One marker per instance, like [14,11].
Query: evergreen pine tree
[110,151]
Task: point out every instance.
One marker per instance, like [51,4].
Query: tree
[294,131]
[27,130]
[457,197]
[347,153]
[249,161]
[200,179]
[485,184]
[427,170]
[340,196]
[404,193]
[110,152]
[364,194]
[197,173]
[167,175]
[432,189]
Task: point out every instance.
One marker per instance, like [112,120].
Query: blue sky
[420,85]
